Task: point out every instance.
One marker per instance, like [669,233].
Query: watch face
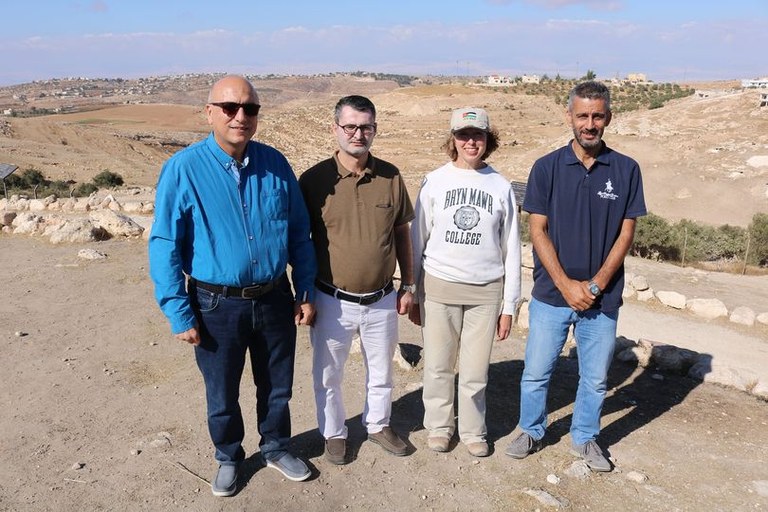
[594,289]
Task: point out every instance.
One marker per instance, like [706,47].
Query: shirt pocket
[276,204]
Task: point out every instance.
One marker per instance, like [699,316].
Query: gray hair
[590,90]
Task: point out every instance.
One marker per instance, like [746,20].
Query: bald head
[233,85]
[232,112]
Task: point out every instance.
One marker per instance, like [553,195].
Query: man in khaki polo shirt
[359,212]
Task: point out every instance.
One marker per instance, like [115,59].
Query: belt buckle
[251,292]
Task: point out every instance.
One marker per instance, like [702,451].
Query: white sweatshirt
[466,230]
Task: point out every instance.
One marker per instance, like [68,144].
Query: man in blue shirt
[583,201]
[229,218]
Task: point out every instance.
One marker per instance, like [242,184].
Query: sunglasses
[231,108]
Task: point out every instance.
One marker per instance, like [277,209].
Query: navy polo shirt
[585,211]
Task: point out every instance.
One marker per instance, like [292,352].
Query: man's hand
[404,302]
[191,336]
[577,295]
[304,313]
[503,327]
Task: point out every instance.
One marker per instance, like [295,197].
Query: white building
[500,80]
[757,83]
[531,79]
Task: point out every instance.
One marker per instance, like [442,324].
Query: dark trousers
[263,327]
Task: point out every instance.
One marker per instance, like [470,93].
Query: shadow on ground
[642,392]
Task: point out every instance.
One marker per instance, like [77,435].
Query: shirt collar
[370,166]
[572,159]
[223,157]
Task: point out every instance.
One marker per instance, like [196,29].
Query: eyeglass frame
[468,133]
[228,108]
[370,128]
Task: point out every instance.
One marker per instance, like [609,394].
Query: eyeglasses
[350,129]
[465,135]
[230,108]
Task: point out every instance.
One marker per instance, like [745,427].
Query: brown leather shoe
[336,451]
[478,449]
[388,440]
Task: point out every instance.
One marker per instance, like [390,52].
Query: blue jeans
[595,334]
[264,327]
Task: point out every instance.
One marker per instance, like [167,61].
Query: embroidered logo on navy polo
[608,192]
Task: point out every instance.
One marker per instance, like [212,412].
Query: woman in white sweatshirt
[466,246]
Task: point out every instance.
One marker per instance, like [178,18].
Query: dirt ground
[104,410]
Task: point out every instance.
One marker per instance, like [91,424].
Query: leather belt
[247,292]
[363,300]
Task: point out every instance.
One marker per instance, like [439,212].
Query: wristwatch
[410,288]
[594,289]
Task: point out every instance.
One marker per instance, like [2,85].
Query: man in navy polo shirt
[583,200]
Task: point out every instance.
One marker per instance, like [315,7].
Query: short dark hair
[359,103]
[590,90]
[491,145]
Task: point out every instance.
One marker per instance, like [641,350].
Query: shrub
[32,177]
[758,239]
[707,243]
[107,179]
[654,239]
[85,189]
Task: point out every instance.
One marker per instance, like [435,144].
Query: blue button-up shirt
[228,224]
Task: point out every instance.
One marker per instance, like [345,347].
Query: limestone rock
[116,224]
[36,205]
[6,219]
[545,498]
[671,299]
[743,315]
[645,295]
[763,318]
[133,206]
[82,205]
[707,308]
[91,254]
[640,283]
[27,223]
[673,359]
[72,231]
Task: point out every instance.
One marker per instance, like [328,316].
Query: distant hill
[704,156]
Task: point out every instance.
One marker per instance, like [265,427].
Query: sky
[668,40]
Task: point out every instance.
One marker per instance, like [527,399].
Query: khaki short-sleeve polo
[353,220]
